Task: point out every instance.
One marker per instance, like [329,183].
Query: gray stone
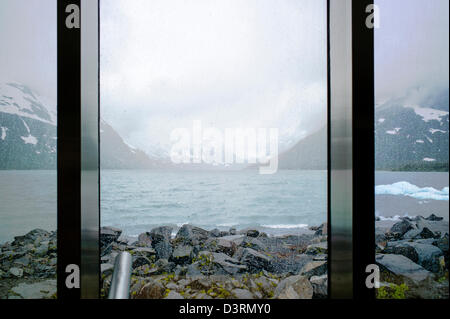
[182,254]
[163,249]
[215,232]
[221,245]
[320,286]
[314,268]
[294,287]
[252,233]
[401,266]
[254,260]
[433,217]
[40,290]
[160,234]
[145,239]
[16,272]
[192,234]
[317,248]
[106,269]
[242,294]
[108,235]
[174,295]
[402,227]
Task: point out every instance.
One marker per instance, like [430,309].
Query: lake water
[138,200]
[285,202]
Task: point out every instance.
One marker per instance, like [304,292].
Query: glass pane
[28,149]
[214,147]
[411,141]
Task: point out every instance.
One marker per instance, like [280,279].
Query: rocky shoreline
[413,257]
[248,264]
[201,264]
[28,266]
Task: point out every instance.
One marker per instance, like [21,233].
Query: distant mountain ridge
[28,135]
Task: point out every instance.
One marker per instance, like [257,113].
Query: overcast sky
[234,63]
[411,51]
[28,44]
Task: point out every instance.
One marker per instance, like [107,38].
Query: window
[411,145]
[213,140]
[28,149]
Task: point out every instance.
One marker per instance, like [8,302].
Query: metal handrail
[120,283]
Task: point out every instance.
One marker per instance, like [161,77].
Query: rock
[314,268]
[433,217]
[215,232]
[221,245]
[144,239]
[232,231]
[427,233]
[174,295]
[39,290]
[144,251]
[106,269]
[192,234]
[16,272]
[318,248]
[221,263]
[253,243]
[182,254]
[252,233]
[401,266]
[163,249]
[294,287]
[202,283]
[151,290]
[108,235]
[255,261]
[402,227]
[412,234]
[425,255]
[320,286]
[160,234]
[32,237]
[242,293]
[164,266]
[139,261]
[322,230]
[442,243]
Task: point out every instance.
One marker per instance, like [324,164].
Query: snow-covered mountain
[28,134]
[27,129]
[411,137]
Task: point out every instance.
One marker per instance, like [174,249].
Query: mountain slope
[308,153]
[410,137]
[28,135]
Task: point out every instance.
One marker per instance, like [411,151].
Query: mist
[258,64]
[28,44]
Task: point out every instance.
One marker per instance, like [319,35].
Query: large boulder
[159,234]
[182,254]
[221,245]
[151,290]
[401,227]
[434,218]
[192,234]
[403,267]
[294,287]
[320,286]
[255,261]
[219,263]
[425,255]
[38,290]
[163,249]
[317,248]
[314,268]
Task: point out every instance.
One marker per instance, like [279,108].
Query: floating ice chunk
[407,189]
[427,159]
[30,139]
[4,129]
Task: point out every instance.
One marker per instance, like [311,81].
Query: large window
[27,149]
[213,142]
[411,140]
